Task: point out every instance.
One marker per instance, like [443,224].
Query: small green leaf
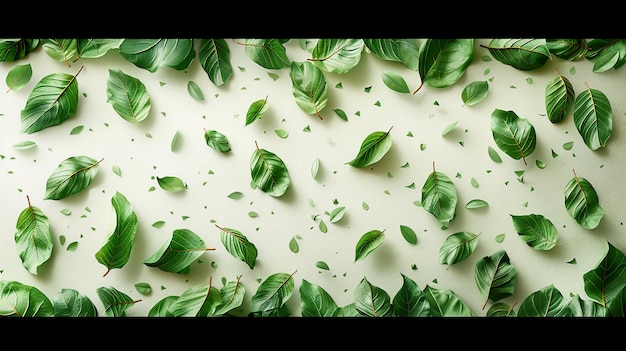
[341,114]
[281,133]
[195,91]
[117,170]
[256,110]
[337,213]
[321,265]
[493,154]
[252,214]
[568,145]
[395,82]
[315,166]
[322,226]
[235,195]
[449,128]
[216,140]
[372,149]
[174,141]
[476,203]
[23,145]
[158,224]
[76,130]
[66,212]
[171,183]
[293,245]
[408,234]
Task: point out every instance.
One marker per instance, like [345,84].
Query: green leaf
[115,302]
[493,155]
[143,288]
[235,195]
[53,100]
[405,51]
[23,145]
[322,265]
[495,277]
[21,300]
[475,92]
[14,49]
[115,253]
[372,301]
[341,113]
[536,231]
[567,49]
[197,301]
[194,90]
[315,166]
[449,128]
[523,54]
[410,301]
[559,98]
[515,136]
[33,240]
[76,130]
[174,141]
[408,234]
[95,48]
[171,183]
[439,196]
[161,308]
[238,245]
[61,50]
[445,303]
[214,57]
[476,203]
[151,54]
[368,242]
[178,253]
[587,308]
[593,118]
[457,247]
[216,141]
[337,213]
[71,303]
[444,61]
[372,149]
[337,55]
[269,173]
[72,175]
[607,279]
[315,301]
[546,302]
[267,53]
[293,245]
[19,76]
[128,96]
[309,87]
[256,110]
[273,293]
[606,54]
[233,294]
[395,82]
[281,133]
[582,203]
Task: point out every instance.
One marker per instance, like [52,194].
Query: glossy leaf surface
[536,230]
[269,173]
[607,279]
[315,301]
[445,303]
[337,55]
[152,54]
[582,202]
[546,302]
[439,197]
[72,175]
[373,148]
[367,243]
[238,245]
[178,253]
[475,92]
[214,57]
[515,136]
[587,308]
[593,118]
[442,62]
[115,302]
[309,88]
[33,240]
[61,50]
[21,300]
[372,301]
[457,247]
[71,303]
[559,98]
[97,47]
[405,51]
[267,53]
[495,277]
[233,294]
[128,96]
[19,76]
[272,293]
[523,54]
[395,82]
[171,183]
[256,110]
[197,301]
[567,49]
[15,49]
[606,54]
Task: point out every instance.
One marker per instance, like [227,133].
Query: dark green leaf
[372,301]
[523,54]
[214,56]
[238,245]
[273,293]
[559,98]
[607,279]
[410,301]
[536,231]
[515,136]
[178,253]
[197,301]
[171,183]
[457,247]
[593,118]
[151,54]
[267,53]
[336,214]
[72,175]
[368,242]
[445,303]
[546,302]
[582,203]
[444,61]
[395,82]
[606,54]
[495,277]
[493,155]
[216,141]
[128,96]
[476,203]
[408,234]
[587,308]
[95,48]
[269,173]
[233,294]
[16,49]
[315,301]
[372,149]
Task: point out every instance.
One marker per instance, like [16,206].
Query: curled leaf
[372,149]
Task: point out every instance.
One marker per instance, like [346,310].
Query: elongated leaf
[269,173]
[315,166]
[216,141]
[214,56]
[16,49]
[315,301]
[439,197]
[523,54]
[61,50]
[273,293]
[309,88]
[410,301]
[71,303]
[372,301]
[19,76]
[546,302]
[373,148]
[171,183]
[368,242]
[567,49]
[256,110]
[493,155]
[582,202]
[444,61]
[53,100]
[607,279]
[337,214]
[337,55]
[397,50]
[129,96]
[559,98]
[115,302]
[395,82]
[119,243]
[593,118]
[457,247]
[72,175]
[536,230]
[33,240]
[197,301]
[97,47]
[475,92]
[233,294]
[178,253]
[445,303]
[586,308]
[151,54]
[238,245]
[21,300]
[495,277]
[267,53]
[515,136]
[195,91]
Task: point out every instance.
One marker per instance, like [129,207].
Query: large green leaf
[559,98]
[337,55]
[439,197]
[309,88]
[61,50]
[606,54]
[53,100]
[129,96]
[21,300]
[457,247]
[171,183]
[586,308]
[593,117]
[197,301]
[372,301]
[33,240]
[238,245]
[372,149]
[567,49]
[367,243]
[315,301]
[119,243]
[214,56]
[607,280]
[536,231]
[272,293]
[546,302]
[216,141]
[233,294]
[269,173]
[445,303]
[256,110]
[495,277]
[267,53]
[523,54]
[442,62]
[151,54]
[72,175]
[71,303]
[16,49]
[410,301]
[515,136]
[177,254]
[115,302]
[405,51]
[582,202]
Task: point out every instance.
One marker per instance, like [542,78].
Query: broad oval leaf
[476,203]
[197,301]
[439,197]
[19,76]
[72,175]
[405,51]
[410,301]
[337,55]
[546,302]
[233,294]
[195,91]
[523,54]
[593,118]
[315,301]
[269,173]
[53,100]
[395,82]
[475,92]
[587,308]
[115,302]
[368,242]
[515,136]
[582,202]
[272,293]
[129,96]
[457,247]
[408,234]
[33,239]
[216,141]
[256,110]
[372,301]
[372,149]
[171,183]
[151,54]
[238,245]
[495,277]
[559,98]
[119,242]
[71,303]
[161,308]
[21,300]
[214,56]
[444,61]
[16,49]
[607,279]
[445,303]
[267,53]
[61,50]
[178,253]
[309,88]
[568,49]
[536,230]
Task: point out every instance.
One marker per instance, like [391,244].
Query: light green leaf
[337,55]
[372,301]
[33,240]
[171,183]
[439,196]
[593,118]
[61,50]
[368,242]
[216,141]
[322,265]
[475,92]
[495,277]
[76,130]
[269,173]
[14,49]
[309,88]
[568,49]
[71,176]
[214,57]
[256,110]
[523,54]
[408,234]
[195,91]
[559,98]
[395,82]
[115,302]
[19,76]
[174,141]
[235,195]
[143,288]
[197,301]
[233,294]
[117,170]
[23,145]
[405,51]
[372,149]
[444,61]
[582,203]
[336,214]
[293,245]
[128,96]
[178,253]
[315,301]
[493,154]
[476,203]
[457,247]
[151,54]
[315,166]
[515,136]
[536,231]
[449,128]
[95,48]
[281,133]
[238,245]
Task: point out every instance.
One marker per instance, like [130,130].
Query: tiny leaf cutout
[493,155]
[449,128]
[475,92]
[19,76]
[495,277]
[256,110]
[476,203]
[281,133]
[395,82]
[238,245]
[171,183]
[23,145]
[174,142]
[515,136]
[559,98]
[235,195]
[216,141]
[117,170]
[322,265]
[72,175]
[293,245]
[128,96]
[194,90]
[175,256]
[593,118]
[372,149]
[368,242]
[408,234]
[33,240]
[309,87]
[315,166]
[457,247]
[439,196]
[582,203]
[536,231]
[143,288]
